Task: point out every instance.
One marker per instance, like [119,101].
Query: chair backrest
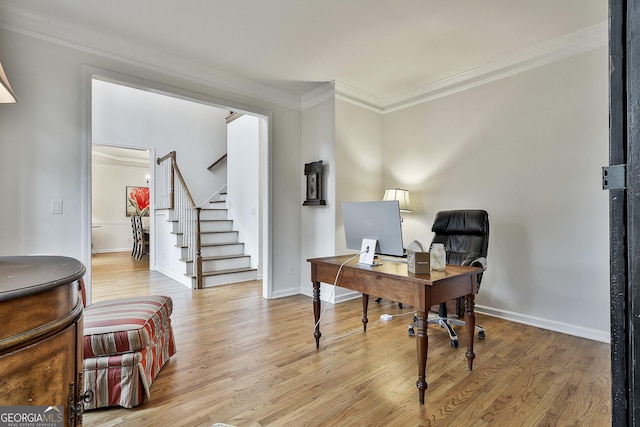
[136,225]
[464,233]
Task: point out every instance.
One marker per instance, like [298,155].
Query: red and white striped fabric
[124,325]
[126,343]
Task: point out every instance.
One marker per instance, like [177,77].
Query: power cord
[333,288]
[370,325]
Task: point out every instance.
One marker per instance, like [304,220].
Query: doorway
[116,174]
[148,134]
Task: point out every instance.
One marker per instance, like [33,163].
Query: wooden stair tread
[212,244]
[219,257]
[221,244]
[205,232]
[219,272]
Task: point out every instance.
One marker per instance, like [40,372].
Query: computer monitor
[374,220]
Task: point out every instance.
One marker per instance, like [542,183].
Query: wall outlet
[56,207]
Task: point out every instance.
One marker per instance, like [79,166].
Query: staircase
[205,237]
[223,257]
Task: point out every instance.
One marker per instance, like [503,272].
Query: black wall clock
[313,175]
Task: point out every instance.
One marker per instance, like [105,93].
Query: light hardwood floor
[247,361]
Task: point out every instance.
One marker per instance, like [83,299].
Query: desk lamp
[6,93]
[402,196]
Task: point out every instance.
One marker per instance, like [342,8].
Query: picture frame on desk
[313,177]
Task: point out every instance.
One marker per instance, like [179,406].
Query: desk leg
[365,307]
[316,312]
[422,344]
[470,324]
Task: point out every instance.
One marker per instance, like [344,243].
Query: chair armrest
[477,262]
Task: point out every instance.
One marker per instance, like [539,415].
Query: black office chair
[465,235]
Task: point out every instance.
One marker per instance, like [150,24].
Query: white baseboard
[552,325]
[283,293]
[108,251]
[183,280]
[323,295]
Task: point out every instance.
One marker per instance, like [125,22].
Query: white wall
[130,117]
[359,152]
[359,167]
[43,156]
[353,171]
[318,222]
[243,198]
[111,231]
[528,149]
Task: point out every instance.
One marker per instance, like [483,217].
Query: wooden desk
[392,281]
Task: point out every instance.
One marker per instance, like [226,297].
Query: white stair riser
[226,264]
[223,279]
[218,250]
[210,214]
[223,237]
[219,225]
[216,214]
[217,205]
[217,237]
[231,249]
[210,225]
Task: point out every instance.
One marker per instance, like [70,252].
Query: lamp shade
[6,93]
[402,196]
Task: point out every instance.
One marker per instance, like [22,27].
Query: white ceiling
[382,50]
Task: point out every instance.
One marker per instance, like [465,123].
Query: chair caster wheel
[454,343]
[411,331]
[481,335]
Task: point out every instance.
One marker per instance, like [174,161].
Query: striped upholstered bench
[126,343]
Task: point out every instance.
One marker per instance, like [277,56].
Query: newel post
[198,252]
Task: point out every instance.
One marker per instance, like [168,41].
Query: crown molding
[359,97]
[62,33]
[557,49]
[337,90]
[318,95]
[136,162]
[59,32]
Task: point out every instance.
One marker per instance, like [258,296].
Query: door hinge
[614,177]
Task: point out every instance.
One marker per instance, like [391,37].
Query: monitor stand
[367,253]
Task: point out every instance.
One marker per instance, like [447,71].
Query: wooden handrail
[184,184]
[220,160]
[197,253]
[171,154]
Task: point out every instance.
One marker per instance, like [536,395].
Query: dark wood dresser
[41,333]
